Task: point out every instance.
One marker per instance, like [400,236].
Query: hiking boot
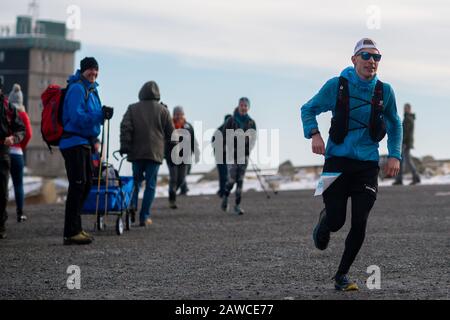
[415,181]
[238,210]
[3,232]
[321,235]
[224,204]
[343,283]
[173,204]
[146,223]
[133,215]
[21,218]
[79,239]
[87,235]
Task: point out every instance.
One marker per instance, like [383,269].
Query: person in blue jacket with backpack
[364,110]
[82,118]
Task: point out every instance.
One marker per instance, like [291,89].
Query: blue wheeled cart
[115,198]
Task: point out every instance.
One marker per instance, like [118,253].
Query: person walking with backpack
[16,151]
[238,128]
[220,156]
[363,109]
[144,131]
[179,169]
[12,132]
[82,118]
[408,144]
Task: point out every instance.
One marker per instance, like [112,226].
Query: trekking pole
[99,179]
[259,179]
[107,171]
[259,170]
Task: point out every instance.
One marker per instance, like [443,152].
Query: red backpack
[51,120]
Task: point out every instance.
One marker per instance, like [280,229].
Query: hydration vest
[340,121]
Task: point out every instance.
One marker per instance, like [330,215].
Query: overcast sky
[205,54]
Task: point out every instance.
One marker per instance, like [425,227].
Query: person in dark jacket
[239,128]
[220,156]
[177,160]
[408,144]
[12,132]
[144,131]
[83,116]
[16,152]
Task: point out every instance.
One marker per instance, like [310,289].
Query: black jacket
[170,145]
[408,130]
[10,124]
[250,138]
[221,157]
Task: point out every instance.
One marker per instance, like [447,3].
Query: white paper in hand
[326,179]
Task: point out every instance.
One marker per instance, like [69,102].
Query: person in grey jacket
[178,161]
[145,128]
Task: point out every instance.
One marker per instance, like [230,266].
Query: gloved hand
[122,152]
[108,112]
[9,141]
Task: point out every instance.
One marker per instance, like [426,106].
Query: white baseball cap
[365,43]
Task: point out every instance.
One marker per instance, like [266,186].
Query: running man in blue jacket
[364,110]
[83,116]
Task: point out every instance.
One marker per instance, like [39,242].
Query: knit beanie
[88,63]
[16,96]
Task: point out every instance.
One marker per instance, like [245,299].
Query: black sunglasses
[366,56]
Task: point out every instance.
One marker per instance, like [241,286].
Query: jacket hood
[16,96]
[149,91]
[350,74]
[77,77]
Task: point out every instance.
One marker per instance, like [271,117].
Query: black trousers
[79,173]
[236,175]
[177,178]
[4,177]
[358,181]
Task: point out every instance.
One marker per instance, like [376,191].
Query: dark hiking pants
[236,175]
[79,173]
[358,181]
[177,177]
[4,177]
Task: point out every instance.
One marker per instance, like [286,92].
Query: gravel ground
[200,252]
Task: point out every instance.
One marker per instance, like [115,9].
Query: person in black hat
[12,131]
[83,116]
